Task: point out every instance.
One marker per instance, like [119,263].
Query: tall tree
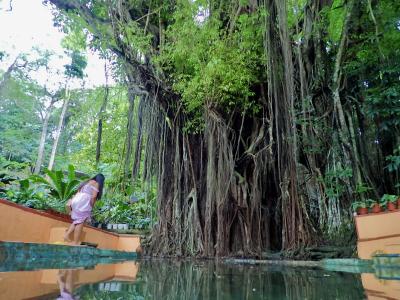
[101,114]
[255,114]
[18,63]
[29,97]
[66,98]
[73,70]
[45,116]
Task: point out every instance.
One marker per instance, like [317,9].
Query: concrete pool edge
[349,265]
[383,266]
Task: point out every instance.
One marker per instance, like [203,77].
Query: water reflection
[62,284]
[377,288]
[208,280]
[66,282]
[167,279]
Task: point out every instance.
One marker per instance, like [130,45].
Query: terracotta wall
[28,225]
[378,225]
[33,284]
[24,285]
[380,289]
[126,271]
[378,232]
[127,243]
[366,249]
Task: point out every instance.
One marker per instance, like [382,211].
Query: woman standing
[80,206]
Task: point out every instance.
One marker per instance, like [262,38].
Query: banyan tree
[259,119]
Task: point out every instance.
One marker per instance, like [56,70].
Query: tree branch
[10,6]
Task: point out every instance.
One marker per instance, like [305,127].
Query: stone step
[57,235]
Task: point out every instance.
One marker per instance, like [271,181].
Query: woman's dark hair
[99,178]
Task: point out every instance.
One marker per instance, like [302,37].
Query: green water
[172,279]
[206,280]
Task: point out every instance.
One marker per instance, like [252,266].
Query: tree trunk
[247,182]
[129,132]
[59,129]
[7,75]
[39,160]
[139,140]
[101,115]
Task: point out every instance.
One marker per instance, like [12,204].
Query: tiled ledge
[28,256]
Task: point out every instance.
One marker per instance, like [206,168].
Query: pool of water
[172,279]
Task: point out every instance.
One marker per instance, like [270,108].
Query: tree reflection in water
[167,279]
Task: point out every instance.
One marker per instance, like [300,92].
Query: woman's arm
[68,206]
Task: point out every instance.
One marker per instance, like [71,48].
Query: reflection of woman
[66,284]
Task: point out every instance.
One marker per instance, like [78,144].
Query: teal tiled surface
[349,265]
[387,261]
[16,256]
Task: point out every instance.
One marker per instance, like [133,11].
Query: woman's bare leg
[69,281]
[68,232]
[77,233]
[61,279]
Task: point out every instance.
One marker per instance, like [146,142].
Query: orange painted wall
[380,289]
[126,271]
[99,273]
[366,249]
[378,233]
[378,225]
[32,284]
[23,285]
[128,243]
[15,225]
[28,225]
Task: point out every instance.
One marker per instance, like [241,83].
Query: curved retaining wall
[378,233]
[23,224]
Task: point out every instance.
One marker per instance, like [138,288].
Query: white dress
[81,208]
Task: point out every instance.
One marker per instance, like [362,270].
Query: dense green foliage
[210,66]
[24,104]
[20,120]
[61,187]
